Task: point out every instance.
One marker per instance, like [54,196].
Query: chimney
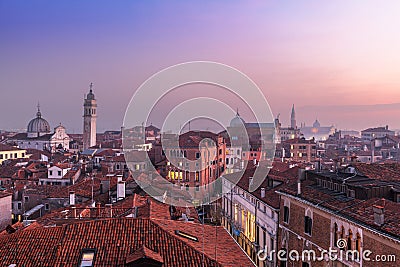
[110,208]
[250,180]
[119,178]
[120,190]
[262,192]
[298,188]
[72,198]
[379,218]
[73,211]
[301,176]
[98,207]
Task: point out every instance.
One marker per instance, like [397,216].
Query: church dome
[237,121]
[316,124]
[38,126]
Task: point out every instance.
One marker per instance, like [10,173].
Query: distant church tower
[89,120]
[293,119]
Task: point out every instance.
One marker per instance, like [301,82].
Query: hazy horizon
[338,62]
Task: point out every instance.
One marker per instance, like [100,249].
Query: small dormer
[144,257]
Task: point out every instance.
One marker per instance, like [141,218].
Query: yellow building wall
[12,154]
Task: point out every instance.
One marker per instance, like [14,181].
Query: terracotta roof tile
[116,239]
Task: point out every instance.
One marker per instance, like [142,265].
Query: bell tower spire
[89,119]
[293,119]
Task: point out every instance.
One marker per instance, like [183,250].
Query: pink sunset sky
[338,61]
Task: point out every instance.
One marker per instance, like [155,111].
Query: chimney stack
[109,209]
[72,198]
[250,181]
[379,216]
[262,192]
[73,211]
[298,188]
[98,208]
[300,177]
[120,190]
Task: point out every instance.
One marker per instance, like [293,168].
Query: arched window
[308,222]
[349,240]
[358,243]
[335,234]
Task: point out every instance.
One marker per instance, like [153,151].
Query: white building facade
[251,221]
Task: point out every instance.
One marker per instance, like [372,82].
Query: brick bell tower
[89,119]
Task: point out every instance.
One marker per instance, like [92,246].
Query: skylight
[87,257]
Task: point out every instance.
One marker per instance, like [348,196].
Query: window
[46,206]
[23,155]
[197,177]
[59,173]
[305,264]
[307,225]
[87,257]
[286,214]
[197,155]
[272,243]
[50,172]
[15,155]
[19,205]
[26,198]
[1,156]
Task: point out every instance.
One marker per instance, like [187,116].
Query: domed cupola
[38,126]
[316,124]
[237,121]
